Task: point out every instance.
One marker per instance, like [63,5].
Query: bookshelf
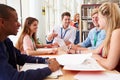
[86,21]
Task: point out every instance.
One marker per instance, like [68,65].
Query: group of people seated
[102,41]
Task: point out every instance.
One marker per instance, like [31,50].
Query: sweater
[10,57]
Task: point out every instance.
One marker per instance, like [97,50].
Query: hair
[5,11]
[65,14]
[111,13]
[94,11]
[75,17]
[26,30]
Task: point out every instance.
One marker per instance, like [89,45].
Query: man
[63,31]
[95,36]
[10,56]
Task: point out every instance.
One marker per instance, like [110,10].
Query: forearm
[104,62]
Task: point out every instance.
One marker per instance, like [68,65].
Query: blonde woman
[109,51]
[27,42]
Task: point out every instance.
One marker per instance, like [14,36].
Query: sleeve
[7,72]
[23,58]
[86,42]
[27,43]
[73,35]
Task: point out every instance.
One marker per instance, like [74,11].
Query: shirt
[65,34]
[89,41]
[28,43]
[10,57]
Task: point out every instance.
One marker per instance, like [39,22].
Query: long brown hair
[111,13]
[26,30]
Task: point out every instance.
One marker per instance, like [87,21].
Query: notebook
[34,66]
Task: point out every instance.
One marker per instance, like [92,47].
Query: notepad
[34,66]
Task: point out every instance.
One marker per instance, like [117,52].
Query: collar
[66,28]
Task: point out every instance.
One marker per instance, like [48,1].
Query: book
[35,66]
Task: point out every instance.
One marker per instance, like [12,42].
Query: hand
[71,51]
[54,34]
[72,46]
[53,64]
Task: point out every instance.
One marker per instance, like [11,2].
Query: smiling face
[11,25]
[66,21]
[33,27]
[95,19]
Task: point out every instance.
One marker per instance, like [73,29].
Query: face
[66,21]
[95,19]
[11,25]
[34,27]
[77,17]
[101,21]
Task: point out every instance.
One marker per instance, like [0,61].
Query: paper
[61,43]
[88,64]
[97,76]
[72,59]
[34,66]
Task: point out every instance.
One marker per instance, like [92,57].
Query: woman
[75,23]
[109,51]
[27,42]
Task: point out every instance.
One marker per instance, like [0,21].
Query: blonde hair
[94,11]
[26,30]
[112,14]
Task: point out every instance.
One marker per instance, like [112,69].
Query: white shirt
[67,34]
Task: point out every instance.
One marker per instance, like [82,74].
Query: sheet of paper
[88,64]
[34,66]
[97,76]
[61,43]
[72,59]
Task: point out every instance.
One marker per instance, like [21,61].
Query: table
[68,75]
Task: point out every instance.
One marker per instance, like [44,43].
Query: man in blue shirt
[95,36]
[10,56]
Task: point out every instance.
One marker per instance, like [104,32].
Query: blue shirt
[89,41]
[10,57]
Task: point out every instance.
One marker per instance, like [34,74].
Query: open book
[34,66]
